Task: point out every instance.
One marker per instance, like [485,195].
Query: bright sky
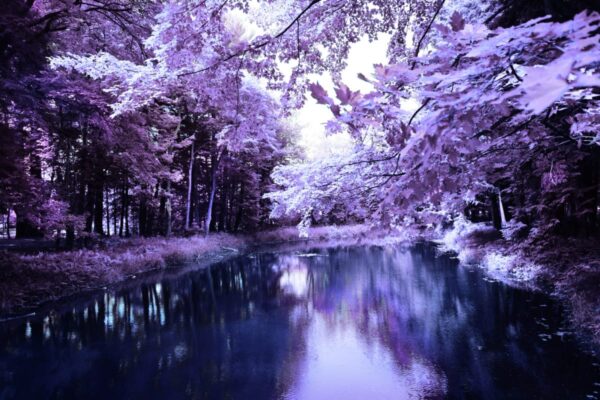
[313,116]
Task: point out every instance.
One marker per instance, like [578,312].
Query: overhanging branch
[256,46]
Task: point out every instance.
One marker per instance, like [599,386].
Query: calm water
[351,323]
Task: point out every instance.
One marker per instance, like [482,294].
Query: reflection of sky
[339,364]
[342,359]
[294,279]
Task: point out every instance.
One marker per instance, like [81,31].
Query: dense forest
[153,117]
[176,161]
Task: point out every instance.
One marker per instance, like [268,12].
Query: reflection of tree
[199,334]
[346,291]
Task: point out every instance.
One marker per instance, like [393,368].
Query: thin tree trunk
[190,181]
[501,209]
[70,237]
[127,232]
[168,206]
[114,210]
[168,209]
[211,198]
[84,191]
[223,207]
[8,224]
[231,205]
[143,218]
[99,209]
[494,211]
[107,212]
[122,222]
[238,217]
[89,208]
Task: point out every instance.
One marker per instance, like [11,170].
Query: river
[341,323]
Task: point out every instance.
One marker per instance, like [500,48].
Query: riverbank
[566,268]
[28,280]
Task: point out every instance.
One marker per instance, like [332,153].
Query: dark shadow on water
[345,323]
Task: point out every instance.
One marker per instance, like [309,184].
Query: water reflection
[352,323]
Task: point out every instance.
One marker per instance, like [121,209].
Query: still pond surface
[347,323]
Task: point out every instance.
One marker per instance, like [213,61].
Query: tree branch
[257,46]
[427,29]
[427,100]
[514,72]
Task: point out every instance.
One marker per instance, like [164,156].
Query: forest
[132,118]
[140,134]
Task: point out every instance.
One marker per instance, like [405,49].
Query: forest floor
[29,278]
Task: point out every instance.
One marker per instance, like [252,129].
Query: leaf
[443,29]
[361,76]
[544,85]
[335,109]
[343,93]
[319,94]
[457,22]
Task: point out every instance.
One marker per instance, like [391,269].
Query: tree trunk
[223,206]
[190,182]
[83,179]
[143,217]
[8,224]
[168,210]
[495,211]
[211,197]
[89,209]
[238,217]
[122,222]
[70,238]
[231,205]
[127,231]
[99,209]
[107,213]
[501,211]
[115,212]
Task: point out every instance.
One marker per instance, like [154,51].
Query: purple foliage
[156,117]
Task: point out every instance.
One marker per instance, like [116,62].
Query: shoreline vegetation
[565,269]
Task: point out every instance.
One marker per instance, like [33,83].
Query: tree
[492,101]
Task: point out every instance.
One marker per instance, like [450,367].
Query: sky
[313,116]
